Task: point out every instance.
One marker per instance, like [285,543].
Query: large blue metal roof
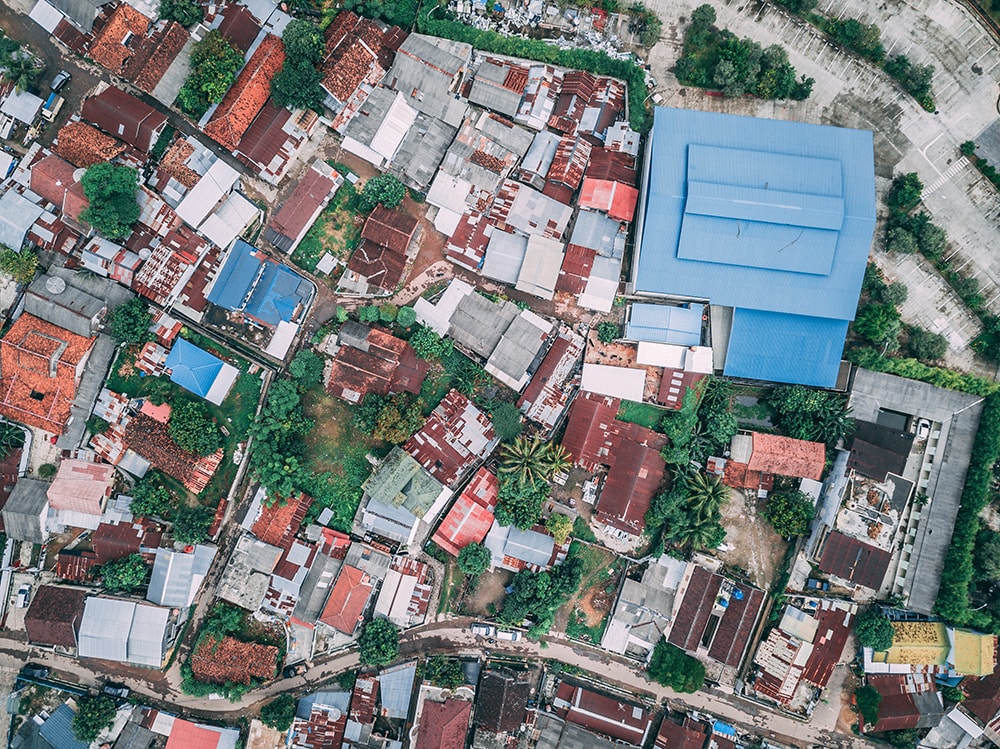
[759,215]
[236,277]
[259,287]
[193,368]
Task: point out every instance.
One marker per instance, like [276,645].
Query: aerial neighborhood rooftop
[461,374]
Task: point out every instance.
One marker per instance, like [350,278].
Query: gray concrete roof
[17,214]
[478,323]
[417,159]
[520,347]
[24,508]
[488,91]
[86,393]
[61,304]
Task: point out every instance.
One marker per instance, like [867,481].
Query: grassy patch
[577,628]
[335,231]
[644,414]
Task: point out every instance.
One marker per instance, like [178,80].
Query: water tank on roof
[737,594]
[78,174]
[145,253]
[55,285]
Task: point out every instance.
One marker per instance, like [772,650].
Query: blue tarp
[192,368]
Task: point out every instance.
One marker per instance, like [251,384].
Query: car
[116,690]
[923,429]
[60,80]
[483,630]
[292,671]
[35,671]
[814,584]
[23,596]
[509,635]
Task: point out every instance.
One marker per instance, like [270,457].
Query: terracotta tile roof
[443,725]
[187,735]
[853,560]
[380,266]
[345,607]
[38,372]
[150,439]
[455,436]
[53,179]
[390,228]
[471,517]
[81,486]
[54,616]
[386,365]
[83,145]
[785,456]
[248,95]
[229,660]
[354,54]
[109,47]
[278,524]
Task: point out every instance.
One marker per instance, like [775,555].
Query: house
[79,492]
[545,398]
[613,198]
[208,187]
[908,702]
[607,164]
[251,90]
[540,95]
[402,499]
[933,647]
[53,731]
[331,550]
[41,366]
[376,266]
[645,609]
[247,575]
[566,170]
[289,574]
[608,716]
[499,85]
[119,535]
[539,271]
[396,690]
[521,208]
[405,593]
[685,733]
[53,618]
[756,458]
[588,105]
[356,60]
[112,45]
[345,607]
[683,368]
[878,450]
[315,190]
[177,576]
[556,733]
[83,145]
[274,138]
[594,437]
[200,372]
[808,184]
[854,561]
[591,268]
[376,132]
[505,253]
[370,360]
[471,516]
[716,617]
[125,117]
[279,522]
[320,720]
[427,71]
[79,13]
[125,631]
[265,292]
[421,151]
[517,353]
[536,162]
[22,106]
[514,549]
[502,699]
[455,436]
[65,305]
[443,725]
[57,182]
[182,733]
[17,216]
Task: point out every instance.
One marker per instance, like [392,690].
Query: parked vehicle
[297,670]
[483,630]
[61,79]
[923,429]
[52,106]
[113,689]
[814,584]
[35,671]
[23,596]
[508,635]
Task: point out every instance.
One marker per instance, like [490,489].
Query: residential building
[83,145]
[609,716]
[684,733]
[935,648]
[443,725]
[376,266]
[79,493]
[370,360]
[247,575]
[908,702]
[405,593]
[57,182]
[502,701]
[57,300]
[615,199]
[471,516]
[290,224]
[810,185]
[515,549]
[177,575]
[125,117]
[344,609]
[556,733]
[274,138]
[401,499]
[588,105]
[200,372]
[17,216]
[567,168]
[545,398]
[356,60]
[523,209]
[125,631]
[645,609]
[377,131]
[427,71]
[756,458]
[499,85]
[853,561]
[53,618]
[26,511]
[320,721]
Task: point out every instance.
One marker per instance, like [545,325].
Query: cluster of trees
[526,465]
[276,460]
[689,513]
[717,58]
[538,595]
[608,332]
[506,420]
[400,13]
[444,672]
[429,346]
[21,266]
[193,428]
[17,64]
[185,12]
[129,322]
[915,370]
[298,84]
[214,62]
[306,368]
[915,79]
[672,667]
[815,415]
[125,574]
[111,191]
[953,602]
[94,713]
[474,559]
[11,438]
[864,39]
[382,188]
[390,418]
[592,61]
[279,712]
[874,630]
[790,513]
[985,587]
[385,313]
[222,621]
[878,320]
[868,700]
[703,426]
[379,643]
[151,498]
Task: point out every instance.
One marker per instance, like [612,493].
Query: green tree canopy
[130,322]
[560,526]
[904,195]
[986,559]
[21,266]
[537,595]
[791,513]
[532,460]
[298,86]
[306,368]
[474,559]
[406,317]
[868,700]
[185,12]
[394,12]
[214,62]
[674,668]
[898,239]
[519,503]
[191,524]
[878,323]
[874,629]
[925,345]
[111,191]
[398,421]
[279,712]
[125,574]
[379,643]
[444,672]
[93,715]
[192,428]
[429,346]
[303,41]
[151,498]
[506,421]
[383,188]
[815,415]
[608,332]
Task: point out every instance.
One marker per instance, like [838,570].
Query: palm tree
[22,70]
[705,495]
[833,421]
[530,460]
[557,459]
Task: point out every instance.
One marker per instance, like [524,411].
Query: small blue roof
[58,729]
[193,368]
[759,215]
[236,277]
[661,323]
[724,728]
[793,349]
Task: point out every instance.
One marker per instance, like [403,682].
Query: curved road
[455,639]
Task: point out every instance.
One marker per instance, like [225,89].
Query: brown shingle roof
[443,725]
[380,266]
[248,95]
[54,616]
[239,26]
[83,145]
[502,701]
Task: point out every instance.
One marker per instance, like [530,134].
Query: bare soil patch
[754,546]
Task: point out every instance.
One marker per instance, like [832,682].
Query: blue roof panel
[236,277]
[785,348]
[193,368]
[278,294]
[661,323]
[58,729]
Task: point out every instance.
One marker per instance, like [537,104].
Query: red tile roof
[229,660]
[853,560]
[390,228]
[151,439]
[455,436]
[278,524]
[298,211]
[53,617]
[38,372]
[388,365]
[248,95]
[614,198]
[784,456]
[355,54]
[83,145]
[443,725]
[109,48]
[345,607]
[470,518]
[81,486]
[124,116]
[53,179]
[155,55]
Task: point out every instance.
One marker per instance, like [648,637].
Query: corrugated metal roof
[395,689]
[617,382]
[661,323]
[540,270]
[58,729]
[145,639]
[104,629]
[17,214]
[193,368]
[504,256]
[519,348]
